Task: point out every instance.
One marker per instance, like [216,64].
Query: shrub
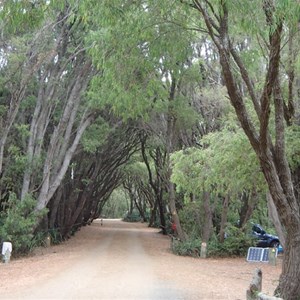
[132,217]
[18,220]
[191,247]
[191,219]
[55,236]
[236,243]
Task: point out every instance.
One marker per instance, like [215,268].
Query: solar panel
[254,254]
[265,255]
[259,254]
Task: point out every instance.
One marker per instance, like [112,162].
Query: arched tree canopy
[177,106]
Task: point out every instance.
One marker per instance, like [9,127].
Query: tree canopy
[187,110]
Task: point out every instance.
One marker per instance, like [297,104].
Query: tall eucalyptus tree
[57,70]
[145,70]
[272,22]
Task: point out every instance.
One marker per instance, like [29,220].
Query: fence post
[255,285]
[254,292]
[203,250]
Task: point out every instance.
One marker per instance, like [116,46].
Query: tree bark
[249,202]
[275,219]
[254,292]
[49,187]
[272,158]
[171,121]
[224,218]
[156,183]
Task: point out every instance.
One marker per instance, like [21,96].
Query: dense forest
[183,114]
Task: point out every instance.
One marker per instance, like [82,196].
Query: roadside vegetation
[181,114]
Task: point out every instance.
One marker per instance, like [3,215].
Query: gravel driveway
[126,261]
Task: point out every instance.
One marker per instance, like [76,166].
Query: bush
[191,247]
[55,236]
[236,243]
[132,217]
[191,220]
[18,221]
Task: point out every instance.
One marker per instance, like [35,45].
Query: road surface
[126,261]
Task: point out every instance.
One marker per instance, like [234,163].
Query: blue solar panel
[259,254]
[254,254]
[265,256]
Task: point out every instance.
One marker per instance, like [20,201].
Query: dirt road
[126,261]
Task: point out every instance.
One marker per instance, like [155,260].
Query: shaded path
[116,267]
[126,261]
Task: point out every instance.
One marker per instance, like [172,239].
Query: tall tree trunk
[170,138]
[155,183]
[153,213]
[224,218]
[181,234]
[275,219]
[272,157]
[48,187]
[249,202]
[161,209]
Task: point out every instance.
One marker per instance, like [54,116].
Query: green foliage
[18,161]
[23,130]
[134,48]
[55,236]
[187,117]
[191,247]
[18,221]
[136,170]
[134,216]
[95,135]
[21,16]
[191,219]
[3,110]
[227,154]
[236,243]
[293,146]
[187,170]
[230,156]
[116,205]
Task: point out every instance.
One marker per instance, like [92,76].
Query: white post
[203,250]
[6,251]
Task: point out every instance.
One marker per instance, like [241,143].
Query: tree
[154,89]
[208,173]
[18,61]
[52,75]
[96,173]
[156,180]
[269,148]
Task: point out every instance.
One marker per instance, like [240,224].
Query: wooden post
[254,291]
[255,285]
[203,250]
[272,256]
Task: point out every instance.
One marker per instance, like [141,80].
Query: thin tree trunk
[171,121]
[275,219]
[181,234]
[224,218]
[249,202]
[49,188]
